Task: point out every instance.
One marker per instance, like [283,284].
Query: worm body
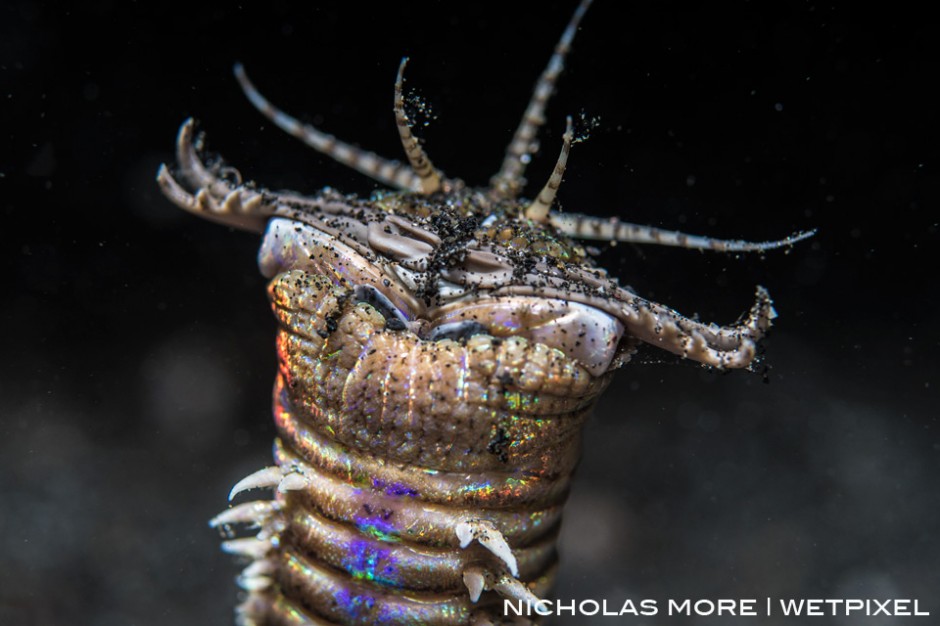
[439,349]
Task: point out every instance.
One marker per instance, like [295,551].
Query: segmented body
[400,440]
[439,350]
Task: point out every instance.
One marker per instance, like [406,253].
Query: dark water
[138,347]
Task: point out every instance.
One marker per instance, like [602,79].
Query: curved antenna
[430,178]
[539,209]
[612,229]
[509,181]
[386,171]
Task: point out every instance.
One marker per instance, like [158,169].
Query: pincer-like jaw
[391,255]
[214,192]
[723,347]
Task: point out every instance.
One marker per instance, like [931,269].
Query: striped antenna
[613,229]
[509,181]
[386,171]
[538,210]
[430,178]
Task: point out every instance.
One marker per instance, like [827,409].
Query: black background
[138,348]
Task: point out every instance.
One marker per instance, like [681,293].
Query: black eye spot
[394,318]
[458,330]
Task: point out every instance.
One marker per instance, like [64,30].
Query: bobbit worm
[440,347]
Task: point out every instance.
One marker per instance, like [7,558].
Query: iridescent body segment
[401,438]
[439,350]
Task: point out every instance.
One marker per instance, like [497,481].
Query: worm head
[444,261]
